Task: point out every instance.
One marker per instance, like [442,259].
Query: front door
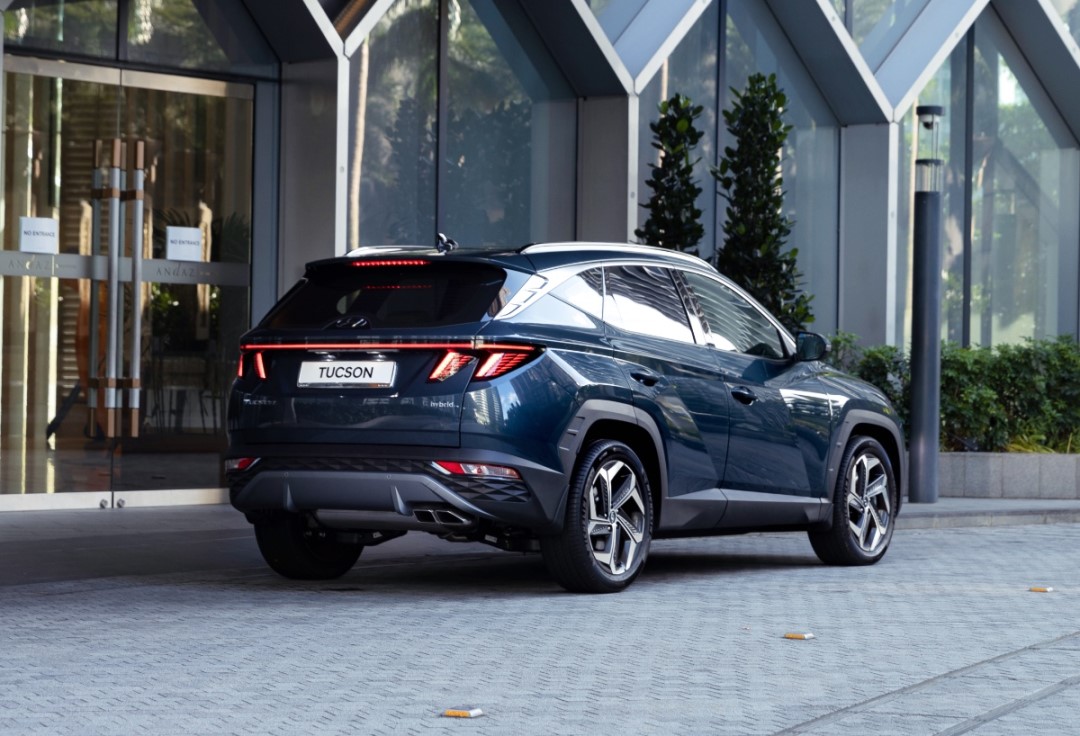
[123,276]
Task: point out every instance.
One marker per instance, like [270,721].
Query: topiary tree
[756,231]
[674,218]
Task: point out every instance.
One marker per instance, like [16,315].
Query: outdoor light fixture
[928,171]
[926,309]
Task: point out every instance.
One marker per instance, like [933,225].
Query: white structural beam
[924,47]
[648,36]
[370,14]
[818,35]
[579,45]
[1049,49]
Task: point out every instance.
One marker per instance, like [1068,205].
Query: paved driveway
[942,637]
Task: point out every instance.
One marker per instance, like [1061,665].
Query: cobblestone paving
[942,637]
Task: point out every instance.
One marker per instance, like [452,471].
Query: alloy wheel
[869,503]
[617,516]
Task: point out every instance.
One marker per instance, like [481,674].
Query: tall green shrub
[756,231]
[674,218]
[1023,397]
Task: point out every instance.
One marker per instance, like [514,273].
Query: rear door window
[644,299]
[349,295]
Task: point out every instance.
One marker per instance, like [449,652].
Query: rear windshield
[345,296]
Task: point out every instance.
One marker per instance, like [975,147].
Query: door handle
[744,395]
[645,378]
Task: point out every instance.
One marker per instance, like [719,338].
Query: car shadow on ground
[521,574]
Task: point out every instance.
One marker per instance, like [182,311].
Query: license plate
[353,373]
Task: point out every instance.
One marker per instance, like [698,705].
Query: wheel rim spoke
[627,489]
[600,540]
[877,489]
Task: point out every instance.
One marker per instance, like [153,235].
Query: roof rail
[614,247]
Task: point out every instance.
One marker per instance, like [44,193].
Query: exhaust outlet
[443,517]
[447,517]
[425,516]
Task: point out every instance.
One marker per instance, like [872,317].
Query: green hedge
[1022,398]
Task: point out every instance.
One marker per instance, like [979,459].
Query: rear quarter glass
[342,295]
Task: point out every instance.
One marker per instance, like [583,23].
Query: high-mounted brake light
[390,262]
[397,287]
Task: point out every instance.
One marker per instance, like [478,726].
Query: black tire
[862,523]
[576,557]
[297,549]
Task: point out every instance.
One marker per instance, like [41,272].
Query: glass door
[123,276]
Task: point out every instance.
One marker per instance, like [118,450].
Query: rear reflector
[481,469]
[239,463]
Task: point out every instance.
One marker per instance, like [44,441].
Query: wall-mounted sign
[183,244]
[39,235]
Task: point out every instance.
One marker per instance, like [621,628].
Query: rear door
[369,352]
[671,377]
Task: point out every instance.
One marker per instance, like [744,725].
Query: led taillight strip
[495,358]
[460,345]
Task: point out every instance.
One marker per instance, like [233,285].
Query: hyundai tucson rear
[495,396]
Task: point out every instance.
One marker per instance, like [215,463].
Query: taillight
[493,362]
[257,361]
[451,363]
[499,363]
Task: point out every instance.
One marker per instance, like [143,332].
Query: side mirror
[810,346]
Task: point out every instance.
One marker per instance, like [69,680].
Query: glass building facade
[285,132]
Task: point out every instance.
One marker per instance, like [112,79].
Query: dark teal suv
[575,399]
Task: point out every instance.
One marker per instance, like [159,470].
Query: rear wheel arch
[611,420]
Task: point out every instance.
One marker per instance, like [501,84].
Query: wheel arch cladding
[888,440]
[641,442]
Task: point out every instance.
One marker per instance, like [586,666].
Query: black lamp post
[926,314]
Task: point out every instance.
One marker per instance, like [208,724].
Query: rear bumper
[398,491]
